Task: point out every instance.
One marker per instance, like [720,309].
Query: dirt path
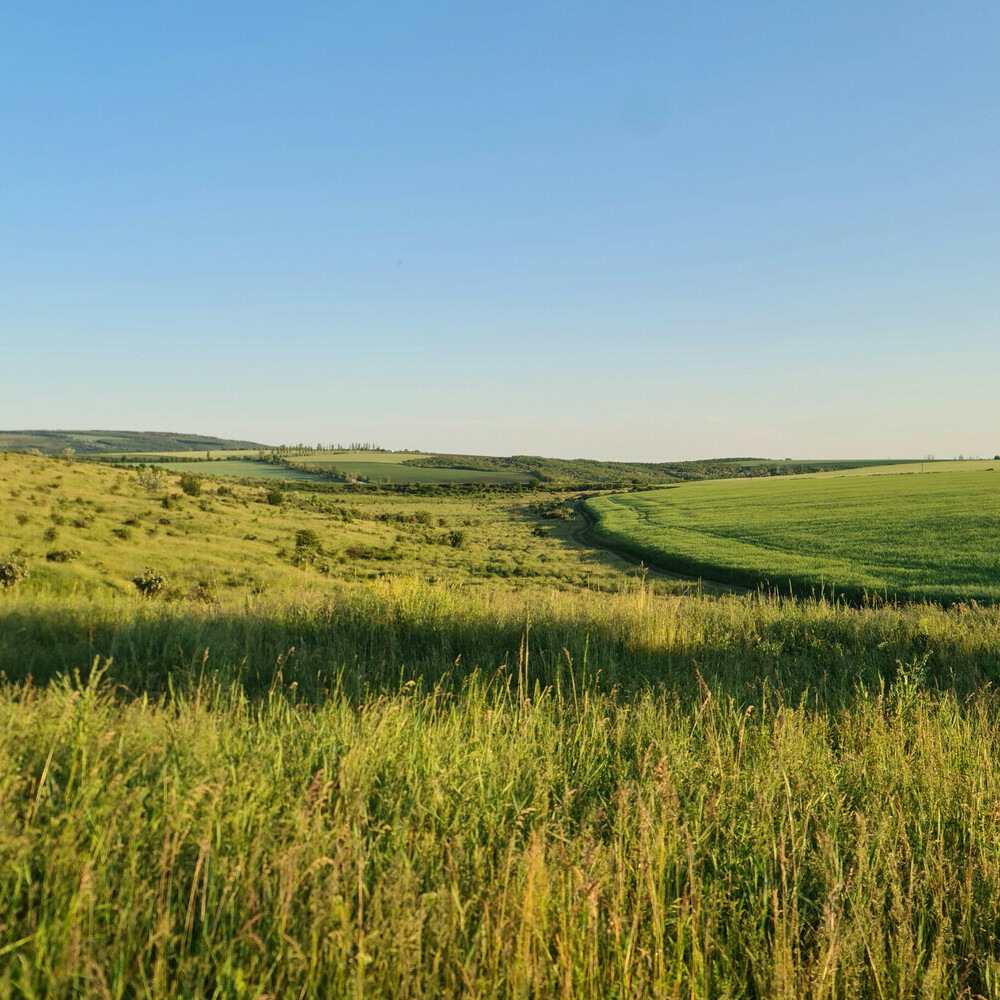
[584,535]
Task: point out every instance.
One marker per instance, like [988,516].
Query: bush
[190,484]
[307,539]
[12,571]
[151,477]
[63,555]
[149,583]
[123,533]
[49,534]
[307,547]
[456,538]
[275,495]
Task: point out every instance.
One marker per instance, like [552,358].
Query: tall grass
[491,840]
[377,636]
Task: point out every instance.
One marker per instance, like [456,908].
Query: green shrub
[190,484]
[50,534]
[63,555]
[12,571]
[275,496]
[149,583]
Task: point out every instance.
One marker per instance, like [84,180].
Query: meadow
[396,746]
[921,537]
[366,466]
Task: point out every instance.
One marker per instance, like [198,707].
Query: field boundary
[586,535]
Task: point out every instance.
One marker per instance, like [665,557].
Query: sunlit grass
[908,536]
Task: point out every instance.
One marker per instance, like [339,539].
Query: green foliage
[150,583]
[275,496]
[12,571]
[590,474]
[190,483]
[456,538]
[113,442]
[62,555]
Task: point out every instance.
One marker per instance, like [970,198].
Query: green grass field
[370,466]
[932,536]
[365,745]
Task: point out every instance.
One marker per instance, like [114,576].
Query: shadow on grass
[375,644]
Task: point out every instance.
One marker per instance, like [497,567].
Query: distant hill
[108,442]
[590,473]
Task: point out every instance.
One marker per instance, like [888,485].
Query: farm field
[920,468]
[932,536]
[375,467]
[377,745]
[241,470]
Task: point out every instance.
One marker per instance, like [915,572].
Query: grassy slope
[356,781]
[238,544]
[105,442]
[930,536]
[376,467]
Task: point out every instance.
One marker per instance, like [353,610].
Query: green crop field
[931,536]
[241,470]
[315,743]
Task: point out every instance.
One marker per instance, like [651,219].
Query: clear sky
[638,230]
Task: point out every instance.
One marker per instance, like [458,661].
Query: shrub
[12,571]
[151,478]
[49,534]
[149,583]
[306,538]
[123,533]
[275,495]
[456,538]
[190,484]
[205,591]
[63,555]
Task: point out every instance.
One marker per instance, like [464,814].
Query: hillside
[284,741]
[585,473]
[121,442]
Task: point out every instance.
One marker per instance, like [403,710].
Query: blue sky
[629,230]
